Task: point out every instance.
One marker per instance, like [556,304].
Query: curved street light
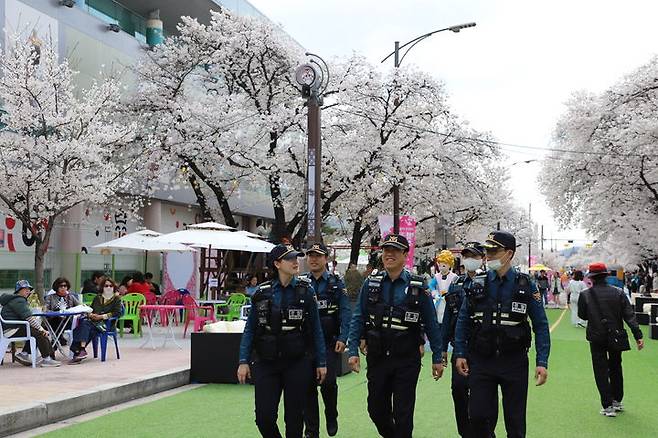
[396,58]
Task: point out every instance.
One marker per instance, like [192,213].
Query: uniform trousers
[271,378]
[392,394]
[329,390]
[510,372]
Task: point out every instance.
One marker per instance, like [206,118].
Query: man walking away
[605,308]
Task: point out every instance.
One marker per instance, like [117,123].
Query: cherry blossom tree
[59,147]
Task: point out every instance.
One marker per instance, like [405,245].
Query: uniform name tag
[322,304]
[519,307]
[411,316]
[295,314]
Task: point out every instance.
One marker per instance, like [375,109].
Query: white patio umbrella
[215,236]
[143,240]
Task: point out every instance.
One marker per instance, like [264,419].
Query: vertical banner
[179,270]
[407,229]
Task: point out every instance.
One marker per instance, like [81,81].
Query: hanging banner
[407,229]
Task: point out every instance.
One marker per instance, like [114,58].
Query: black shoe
[332,427]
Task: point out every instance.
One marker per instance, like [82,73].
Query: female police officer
[284,329]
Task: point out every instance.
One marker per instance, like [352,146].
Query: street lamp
[397,61]
[314,78]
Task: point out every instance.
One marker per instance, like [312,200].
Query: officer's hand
[244,373]
[355,363]
[363,347]
[541,374]
[437,370]
[422,350]
[640,344]
[340,347]
[320,374]
[462,367]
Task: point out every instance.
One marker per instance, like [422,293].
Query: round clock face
[305,75]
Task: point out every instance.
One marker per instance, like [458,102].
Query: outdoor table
[55,333]
[214,303]
[166,314]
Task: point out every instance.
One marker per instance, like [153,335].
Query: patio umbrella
[539,267]
[212,235]
[143,241]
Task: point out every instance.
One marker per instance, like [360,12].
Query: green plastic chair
[88,298]
[131,303]
[233,304]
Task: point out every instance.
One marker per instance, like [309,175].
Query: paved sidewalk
[20,385]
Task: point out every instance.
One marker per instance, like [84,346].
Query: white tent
[143,240]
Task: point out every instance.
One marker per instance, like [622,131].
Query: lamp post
[314,78]
[397,61]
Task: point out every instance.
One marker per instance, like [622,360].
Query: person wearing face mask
[394,307]
[473,261]
[284,330]
[106,305]
[493,336]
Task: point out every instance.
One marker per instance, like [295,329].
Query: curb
[41,413]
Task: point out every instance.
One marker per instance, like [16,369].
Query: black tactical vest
[497,327]
[454,299]
[329,307]
[393,329]
[281,330]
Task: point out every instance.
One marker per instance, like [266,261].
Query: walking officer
[492,338]
[283,328]
[335,315]
[473,261]
[392,310]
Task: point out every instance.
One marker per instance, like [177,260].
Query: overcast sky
[509,75]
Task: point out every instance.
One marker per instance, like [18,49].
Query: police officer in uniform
[473,260]
[493,336]
[335,315]
[392,310]
[283,328]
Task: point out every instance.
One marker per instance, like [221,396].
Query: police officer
[493,336]
[335,315]
[392,310]
[283,328]
[473,260]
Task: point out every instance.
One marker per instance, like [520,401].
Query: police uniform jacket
[332,301]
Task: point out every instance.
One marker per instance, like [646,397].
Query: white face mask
[496,264]
[471,265]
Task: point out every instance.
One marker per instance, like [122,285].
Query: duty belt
[395,323]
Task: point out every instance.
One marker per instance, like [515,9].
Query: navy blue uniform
[283,327]
[493,333]
[391,316]
[335,315]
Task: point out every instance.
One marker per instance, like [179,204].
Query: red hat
[597,269]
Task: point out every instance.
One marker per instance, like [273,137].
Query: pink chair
[171,298]
[194,311]
[151,298]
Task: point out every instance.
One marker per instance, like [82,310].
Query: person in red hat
[605,307]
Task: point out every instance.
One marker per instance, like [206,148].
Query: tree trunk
[357,236]
[279,228]
[200,198]
[41,240]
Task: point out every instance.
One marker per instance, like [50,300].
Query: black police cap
[501,239]
[284,252]
[396,241]
[318,248]
[475,248]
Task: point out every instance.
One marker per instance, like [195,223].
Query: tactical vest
[329,307]
[393,329]
[281,330]
[496,331]
[454,299]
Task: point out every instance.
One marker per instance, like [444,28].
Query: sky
[509,75]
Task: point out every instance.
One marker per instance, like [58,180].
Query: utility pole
[396,186]
[542,243]
[530,236]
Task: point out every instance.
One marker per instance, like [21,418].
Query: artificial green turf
[567,406]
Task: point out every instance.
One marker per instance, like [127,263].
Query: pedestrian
[393,309]
[335,316]
[284,331]
[576,286]
[493,336]
[543,285]
[473,260]
[605,308]
[557,288]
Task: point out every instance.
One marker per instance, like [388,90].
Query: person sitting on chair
[62,299]
[105,306]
